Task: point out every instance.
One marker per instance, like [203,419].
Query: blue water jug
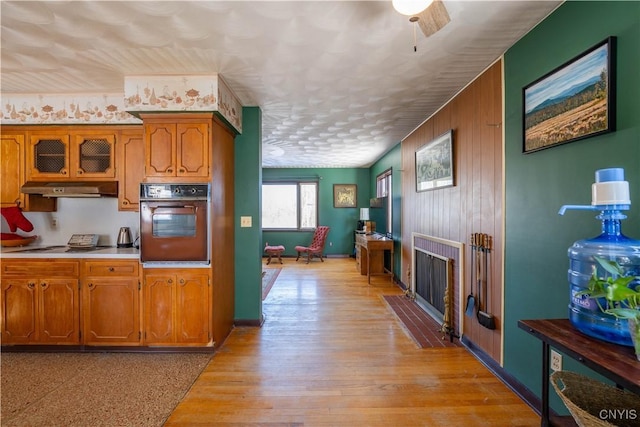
[610,195]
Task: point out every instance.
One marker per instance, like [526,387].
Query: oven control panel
[150,191]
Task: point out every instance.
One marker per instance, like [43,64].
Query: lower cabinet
[111,302]
[177,307]
[104,302]
[40,303]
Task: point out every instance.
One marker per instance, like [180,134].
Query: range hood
[72,188]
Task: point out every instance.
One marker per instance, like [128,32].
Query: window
[383,189]
[290,206]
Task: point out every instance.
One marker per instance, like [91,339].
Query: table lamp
[364,217]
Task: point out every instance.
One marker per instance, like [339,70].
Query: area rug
[269,276]
[421,327]
[95,389]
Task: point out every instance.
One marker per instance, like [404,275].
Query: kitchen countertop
[60,251]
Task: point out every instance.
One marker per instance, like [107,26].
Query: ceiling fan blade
[433,18]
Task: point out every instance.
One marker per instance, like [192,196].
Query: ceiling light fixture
[410,7]
[429,15]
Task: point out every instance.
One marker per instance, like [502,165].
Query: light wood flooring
[331,353]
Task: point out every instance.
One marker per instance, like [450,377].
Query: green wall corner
[539,183]
[248,244]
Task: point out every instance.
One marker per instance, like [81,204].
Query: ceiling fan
[429,15]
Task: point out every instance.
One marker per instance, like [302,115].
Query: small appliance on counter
[83,241]
[124,238]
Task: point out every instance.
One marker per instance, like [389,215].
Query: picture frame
[572,102]
[435,163]
[345,195]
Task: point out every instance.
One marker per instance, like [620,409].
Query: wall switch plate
[556,361]
[245,221]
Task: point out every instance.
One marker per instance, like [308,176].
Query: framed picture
[345,195]
[572,102]
[434,163]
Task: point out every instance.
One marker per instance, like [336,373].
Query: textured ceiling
[338,82]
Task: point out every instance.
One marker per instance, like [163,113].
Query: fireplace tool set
[481,245]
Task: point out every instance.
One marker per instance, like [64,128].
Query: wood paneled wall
[474,203]
[223,230]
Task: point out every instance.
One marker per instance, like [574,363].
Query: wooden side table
[615,362]
[370,255]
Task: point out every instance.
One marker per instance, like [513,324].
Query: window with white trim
[289,205]
[383,189]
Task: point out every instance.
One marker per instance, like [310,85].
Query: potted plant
[620,294]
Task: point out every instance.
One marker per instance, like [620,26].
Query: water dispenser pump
[610,196]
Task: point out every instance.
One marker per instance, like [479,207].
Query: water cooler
[610,196]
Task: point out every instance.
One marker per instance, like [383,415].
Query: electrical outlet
[556,361]
[54,222]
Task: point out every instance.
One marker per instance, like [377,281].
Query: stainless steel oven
[174,222]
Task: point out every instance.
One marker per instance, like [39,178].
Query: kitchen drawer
[115,267]
[50,267]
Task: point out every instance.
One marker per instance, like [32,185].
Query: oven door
[174,231]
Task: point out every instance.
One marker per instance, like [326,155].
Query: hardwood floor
[331,353]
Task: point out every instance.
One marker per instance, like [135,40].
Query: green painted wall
[248,246]
[538,184]
[341,220]
[392,160]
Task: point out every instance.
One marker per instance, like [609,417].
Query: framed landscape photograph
[345,195]
[572,102]
[434,163]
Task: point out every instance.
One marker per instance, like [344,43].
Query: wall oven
[174,223]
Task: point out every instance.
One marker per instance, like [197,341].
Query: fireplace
[432,286]
[435,280]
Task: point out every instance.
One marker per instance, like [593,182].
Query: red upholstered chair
[317,244]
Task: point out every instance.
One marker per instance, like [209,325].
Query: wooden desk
[370,250]
[616,362]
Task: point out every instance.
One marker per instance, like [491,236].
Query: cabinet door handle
[43,285]
[79,172]
[170,170]
[111,269]
[182,170]
[182,281]
[169,281]
[90,285]
[31,285]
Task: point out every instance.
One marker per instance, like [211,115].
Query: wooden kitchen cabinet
[130,159]
[177,307]
[12,155]
[40,302]
[110,302]
[77,154]
[177,146]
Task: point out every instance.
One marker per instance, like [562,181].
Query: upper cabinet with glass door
[61,155]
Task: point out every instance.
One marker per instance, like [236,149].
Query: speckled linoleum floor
[94,389]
